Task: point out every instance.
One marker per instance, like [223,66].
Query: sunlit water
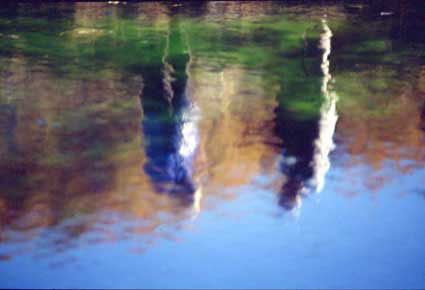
[210,145]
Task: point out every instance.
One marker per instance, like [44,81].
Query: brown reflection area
[224,10]
[237,142]
[88,16]
[240,9]
[153,11]
[387,130]
[86,12]
[71,159]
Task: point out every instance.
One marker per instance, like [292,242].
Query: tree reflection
[167,145]
[298,138]
[307,141]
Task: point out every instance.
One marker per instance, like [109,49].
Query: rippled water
[214,144]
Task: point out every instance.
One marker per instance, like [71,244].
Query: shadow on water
[163,101]
[298,149]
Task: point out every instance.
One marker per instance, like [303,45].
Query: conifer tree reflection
[308,139]
[298,137]
[298,130]
[164,101]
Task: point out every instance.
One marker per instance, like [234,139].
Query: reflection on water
[307,143]
[120,122]
[168,135]
[328,116]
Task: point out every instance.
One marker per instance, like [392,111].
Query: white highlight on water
[189,131]
[188,147]
[328,117]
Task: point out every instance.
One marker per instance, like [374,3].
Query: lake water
[211,145]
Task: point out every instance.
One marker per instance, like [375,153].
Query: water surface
[211,145]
